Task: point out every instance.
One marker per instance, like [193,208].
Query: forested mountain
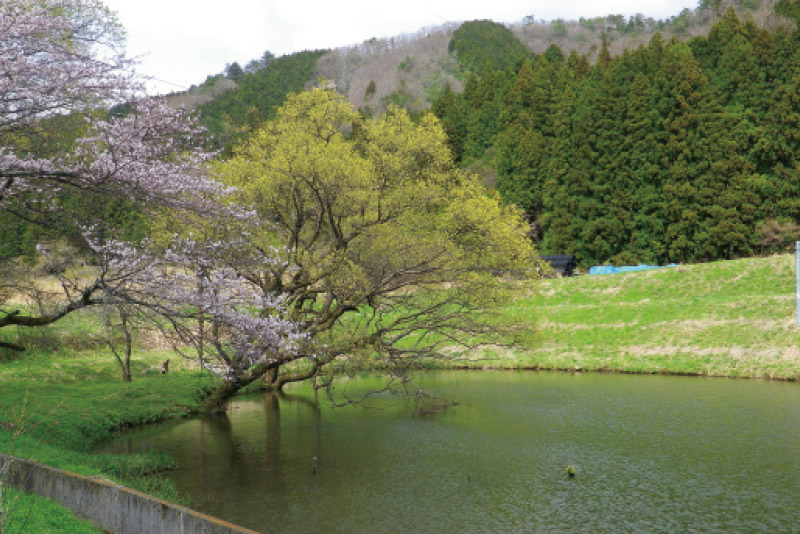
[623,140]
[251,97]
[673,152]
[412,70]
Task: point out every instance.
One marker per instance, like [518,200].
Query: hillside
[421,64]
[678,151]
[408,70]
[230,109]
[585,36]
[411,70]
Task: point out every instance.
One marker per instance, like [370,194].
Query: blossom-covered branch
[58,56]
[66,57]
[192,280]
[153,155]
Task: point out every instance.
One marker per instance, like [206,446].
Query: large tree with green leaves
[384,247]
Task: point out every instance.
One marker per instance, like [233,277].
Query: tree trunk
[270,378]
[218,400]
[285,378]
[126,367]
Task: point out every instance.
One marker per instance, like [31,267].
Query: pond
[651,454]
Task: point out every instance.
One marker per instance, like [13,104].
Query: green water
[652,454]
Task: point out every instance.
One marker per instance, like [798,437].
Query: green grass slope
[25,513]
[57,404]
[729,318]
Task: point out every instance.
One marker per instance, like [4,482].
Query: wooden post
[797,279]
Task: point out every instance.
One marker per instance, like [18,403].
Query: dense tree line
[673,152]
[483,44]
[257,96]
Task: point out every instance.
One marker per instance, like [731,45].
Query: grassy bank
[29,513]
[56,405]
[730,318]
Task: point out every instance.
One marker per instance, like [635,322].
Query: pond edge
[108,505]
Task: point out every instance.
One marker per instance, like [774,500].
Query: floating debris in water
[570,471]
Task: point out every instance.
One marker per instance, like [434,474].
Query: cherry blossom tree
[58,56]
[151,156]
[66,56]
[248,332]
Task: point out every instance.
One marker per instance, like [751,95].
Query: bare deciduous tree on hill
[379,60]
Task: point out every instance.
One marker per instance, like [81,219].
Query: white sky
[180,42]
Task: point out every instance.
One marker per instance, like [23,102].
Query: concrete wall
[108,505]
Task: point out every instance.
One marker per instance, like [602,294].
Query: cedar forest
[673,152]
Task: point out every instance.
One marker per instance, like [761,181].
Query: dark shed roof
[563,264]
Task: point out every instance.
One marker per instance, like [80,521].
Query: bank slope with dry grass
[731,318]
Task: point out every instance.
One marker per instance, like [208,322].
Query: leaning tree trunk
[285,378]
[218,400]
[270,378]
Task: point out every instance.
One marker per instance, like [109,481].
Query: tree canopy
[482,44]
[384,247]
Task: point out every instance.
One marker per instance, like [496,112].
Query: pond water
[651,454]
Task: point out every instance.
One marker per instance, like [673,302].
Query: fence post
[797,280]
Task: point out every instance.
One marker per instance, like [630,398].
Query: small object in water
[570,471]
[314,464]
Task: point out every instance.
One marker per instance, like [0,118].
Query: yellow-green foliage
[376,178]
[367,212]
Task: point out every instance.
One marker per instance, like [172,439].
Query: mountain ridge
[412,69]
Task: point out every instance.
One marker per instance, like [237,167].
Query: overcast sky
[180,42]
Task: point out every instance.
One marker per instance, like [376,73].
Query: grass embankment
[730,318]
[56,404]
[32,514]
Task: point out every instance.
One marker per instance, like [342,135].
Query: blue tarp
[610,269]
